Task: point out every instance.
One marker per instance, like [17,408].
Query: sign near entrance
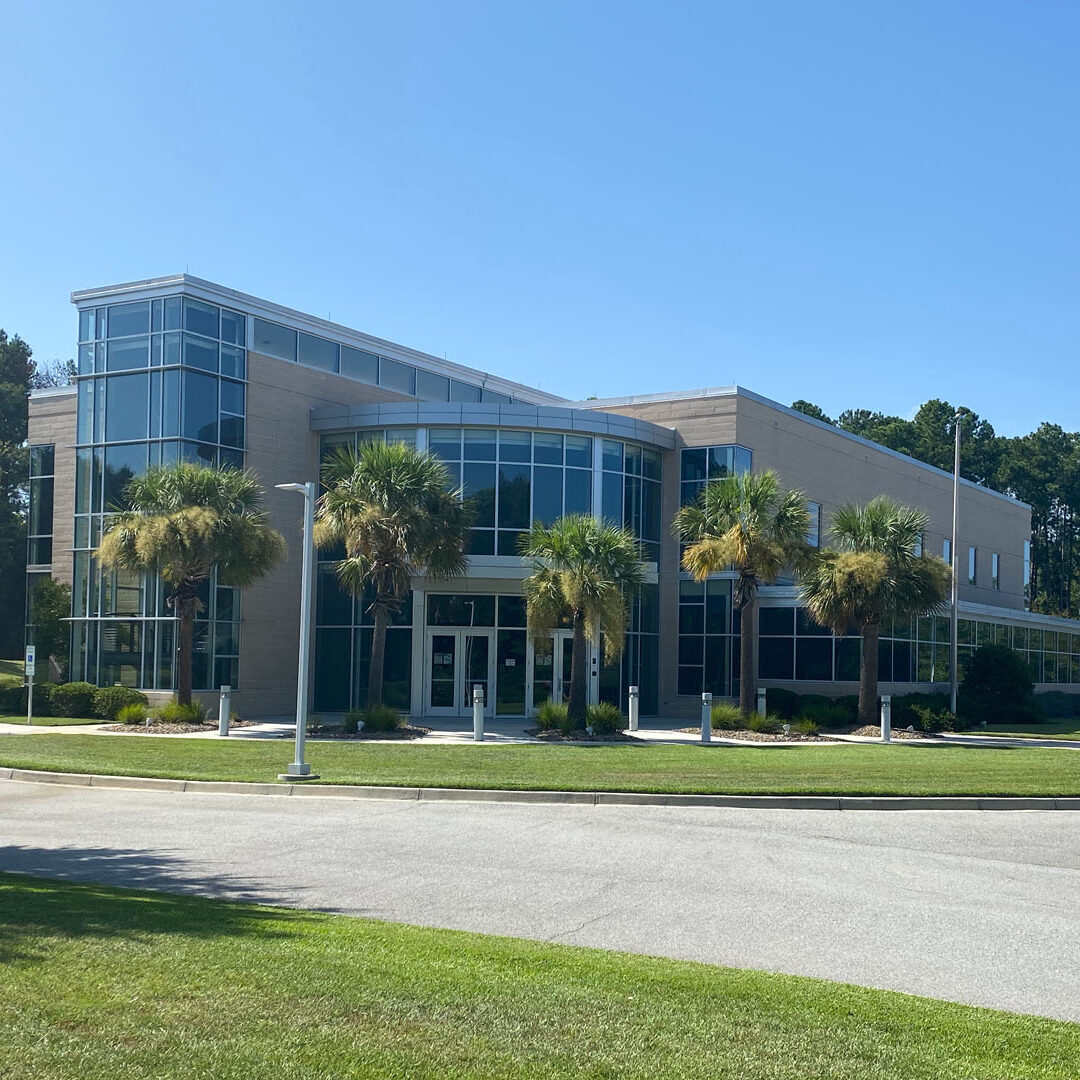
[510,662]
[31,656]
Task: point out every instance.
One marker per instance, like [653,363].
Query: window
[318,353]
[127,319]
[946,550]
[128,354]
[706,652]
[995,570]
[973,561]
[274,340]
[920,544]
[432,387]
[460,391]
[201,318]
[396,376]
[126,412]
[1027,567]
[40,518]
[703,463]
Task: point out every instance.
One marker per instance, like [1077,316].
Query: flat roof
[741,391]
[311,324]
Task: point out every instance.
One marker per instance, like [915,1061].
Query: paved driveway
[977,907]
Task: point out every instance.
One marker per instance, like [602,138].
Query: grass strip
[866,769]
[106,983]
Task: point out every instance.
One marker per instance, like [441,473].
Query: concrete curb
[586,798]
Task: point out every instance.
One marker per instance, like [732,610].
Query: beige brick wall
[282,449]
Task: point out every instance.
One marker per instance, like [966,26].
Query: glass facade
[40,511]
[791,646]
[284,343]
[160,381]
[699,464]
[631,490]
[512,478]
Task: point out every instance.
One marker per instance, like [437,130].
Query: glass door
[552,660]
[456,661]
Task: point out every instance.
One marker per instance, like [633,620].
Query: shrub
[997,686]
[43,695]
[850,704]
[726,717]
[784,703]
[805,727]
[109,700]
[74,699]
[12,696]
[172,712]
[351,724]
[605,718]
[131,714]
[767,725]
[380,718]
[928,718]
[903,708]
[551,716]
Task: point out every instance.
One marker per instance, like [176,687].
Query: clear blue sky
[860,203]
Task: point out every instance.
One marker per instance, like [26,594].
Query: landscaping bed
[745,735]
[403,732]
[554,735]
[167,728]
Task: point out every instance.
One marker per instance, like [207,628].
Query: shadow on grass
[48,893]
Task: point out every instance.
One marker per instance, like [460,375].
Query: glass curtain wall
[160,381]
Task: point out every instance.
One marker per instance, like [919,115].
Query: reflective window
[201,318]
[813,533]
[358,364]
[274,340]
[318,353]
[460,391]
[126,409]
[233,327]
[973,560]
[127,319]
[200,353]
[396,376]
[200,407]
[122,463]
[995,570]
[432,387]
[128,354]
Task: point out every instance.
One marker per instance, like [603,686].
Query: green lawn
[834,769]
[50,721]
[107,983]
[13,667]
[1069,728]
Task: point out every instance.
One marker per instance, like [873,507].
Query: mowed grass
[107,983]
[827,768]
[50,721]
[1068,728]
[13,667]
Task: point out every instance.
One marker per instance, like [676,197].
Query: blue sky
[860,203]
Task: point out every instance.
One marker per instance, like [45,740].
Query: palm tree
[389,505]
[180,522]
[872,572]
[583,569]
[746,524]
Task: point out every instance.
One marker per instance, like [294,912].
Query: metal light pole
[955,595]
[298,770]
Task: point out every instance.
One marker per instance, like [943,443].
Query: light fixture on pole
[955,593]
[299,770]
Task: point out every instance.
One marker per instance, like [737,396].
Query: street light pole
[299,770]
[955,593]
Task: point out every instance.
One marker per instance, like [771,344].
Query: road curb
[552,798]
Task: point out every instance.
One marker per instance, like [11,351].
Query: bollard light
[478,713]
[706,717]
[633,705]
[761,701]
[224,710]
[886,717]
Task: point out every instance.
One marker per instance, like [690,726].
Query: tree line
[1041,468]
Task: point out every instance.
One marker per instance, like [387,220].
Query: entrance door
[456,661]
[552,659]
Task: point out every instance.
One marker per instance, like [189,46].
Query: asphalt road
[978,907]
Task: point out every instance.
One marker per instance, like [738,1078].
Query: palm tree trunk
[747,674]
[185,610]
[378,654]
[868,675]
[575,709]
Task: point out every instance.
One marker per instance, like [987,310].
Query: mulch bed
[757,736]
[874,732]
[554,735]
[171,729]
[406,731]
